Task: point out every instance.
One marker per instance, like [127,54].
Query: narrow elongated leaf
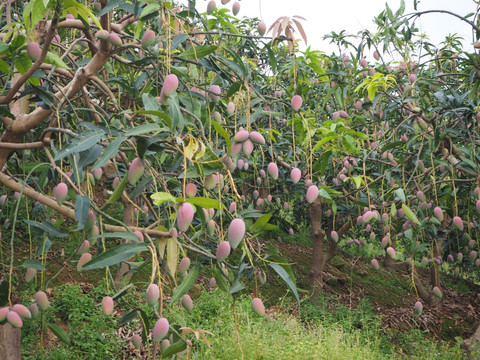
[60,333]
[410,214]
[128,316]
[174,348]
[400,194]
[33,264]
[43,246]
[110,5]
[186,284]
[82,206]
[172,255]
[219,129]
[115,256]
[48,227]
[285,277]
[117,193]
[204,202]
[118,235]
[261,222]
[84,143]
[149,9]
[110,151]
[142,129]
[222,282]
[197,52]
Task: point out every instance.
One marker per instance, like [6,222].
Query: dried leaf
[300,17]
[300,29]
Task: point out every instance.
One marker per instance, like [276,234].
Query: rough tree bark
[472,346]
[10,342]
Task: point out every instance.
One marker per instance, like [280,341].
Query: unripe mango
[247,147]
[334,236]
[22,310]
[258,307]
[457,221]
[214,93]
[3,200]
[3,313]
[211,225]
[391,252]
[296,102]
[140,236]
[212,5]
[257,138]
[312,193]
[14,319]
[363,63]
[187,302]
[137,341]
[42,300]
[107,305]
[86,257]
[418,308]
[97,173]
[210,181]
[224,2]
[164,344]
[184,265]
[114,39]
[472,255]
[230,108]
[33,50]
[295,175]
[170,84]
[236,232]
[60,192]
[437,292]
[212,283]
[84,247]
[153,294]
[262,28]
[223,250]
[135,171]
[30,274]
[191,190]
[375,264]
[185,216]
[102,34]
[160,330]
[236,148]
[148,38]
[236,8]
[241,136]
[33,310]
[460,257]
[438,212]
[273,170]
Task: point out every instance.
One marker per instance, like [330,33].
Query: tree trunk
[472,345]
[318,259]
[10,342]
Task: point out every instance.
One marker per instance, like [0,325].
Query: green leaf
[118,235]
[410,214]
[85,142]
[204,202]
[219,129]
[234,88]
[110,151]
[82,207]
[197,52]
[54,59]
[23,63]
[33,264]
[114,256]
[117,193]
[400,194]
[128,316]
[173,349]
[149,9]
[142,129]
[285,277]
[48,227]
[222,281]
[261,222]
[186,284]
[160,197]
[323,193]
[110,5]
[60,333]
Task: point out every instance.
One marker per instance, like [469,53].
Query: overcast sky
[324,16]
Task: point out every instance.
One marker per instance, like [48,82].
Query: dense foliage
[148,135]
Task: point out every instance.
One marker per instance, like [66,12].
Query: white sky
[324,16]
